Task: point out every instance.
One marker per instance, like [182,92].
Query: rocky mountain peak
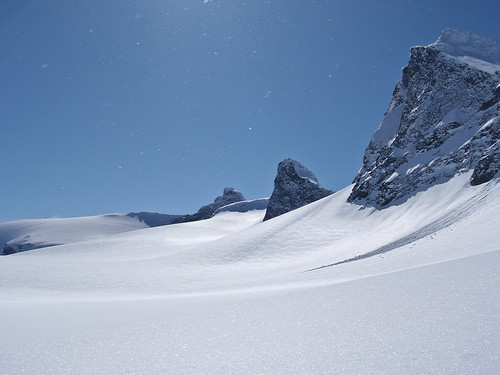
[292,167]
[229,196]
[443,119]
[294,187]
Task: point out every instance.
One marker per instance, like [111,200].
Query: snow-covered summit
[461,43]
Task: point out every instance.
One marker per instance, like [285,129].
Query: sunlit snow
[232,294]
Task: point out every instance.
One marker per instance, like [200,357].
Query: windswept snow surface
[37,233]
[417,293]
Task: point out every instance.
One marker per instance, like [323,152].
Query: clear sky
[119,106]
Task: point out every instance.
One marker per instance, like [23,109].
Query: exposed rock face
[7,250]
[229,196]
[294,187]
[443,119]
[17,247]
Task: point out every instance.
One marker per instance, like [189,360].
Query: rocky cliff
[443,119]
[294,187]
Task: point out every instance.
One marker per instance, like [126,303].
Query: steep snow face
[443,119]
[294,187]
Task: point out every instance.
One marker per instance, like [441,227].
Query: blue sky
[119,106]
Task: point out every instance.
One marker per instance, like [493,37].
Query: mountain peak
[461,43]
[229,196]
[294,187]
[442,120]
[299,169]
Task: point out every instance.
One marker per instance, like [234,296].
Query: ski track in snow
[423,232]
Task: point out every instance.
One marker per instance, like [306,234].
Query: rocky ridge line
[443,119]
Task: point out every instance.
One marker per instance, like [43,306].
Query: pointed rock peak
[294,187]
[460,43]
[232,193]
[290,166]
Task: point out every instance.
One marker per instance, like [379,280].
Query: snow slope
[25,235]
[330,288]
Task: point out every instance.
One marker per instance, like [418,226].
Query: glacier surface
[233,294]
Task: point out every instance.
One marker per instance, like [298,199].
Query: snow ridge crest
[460,43]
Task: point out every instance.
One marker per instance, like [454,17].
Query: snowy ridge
[244,206]
[460,43]
[229,196]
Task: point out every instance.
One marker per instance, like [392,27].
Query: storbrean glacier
[333,287]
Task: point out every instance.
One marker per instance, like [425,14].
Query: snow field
[233,295]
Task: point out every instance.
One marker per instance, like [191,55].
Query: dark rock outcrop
[443,119]
[229,196]
[294,187]
[487,167]
[7,250]
[18,247]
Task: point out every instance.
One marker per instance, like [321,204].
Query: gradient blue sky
[119,106]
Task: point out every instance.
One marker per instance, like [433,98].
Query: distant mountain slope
[23,235]
[244,206]
[154,219]
[229,196]
[235,250]
[443,119]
